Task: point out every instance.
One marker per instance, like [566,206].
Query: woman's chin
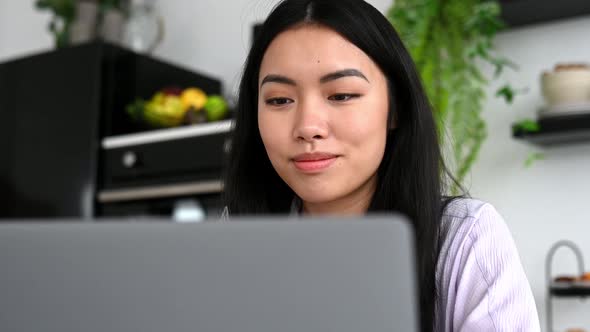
[316,197]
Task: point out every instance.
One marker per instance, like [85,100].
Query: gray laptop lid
[244,275]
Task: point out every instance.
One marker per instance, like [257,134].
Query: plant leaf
[506,92]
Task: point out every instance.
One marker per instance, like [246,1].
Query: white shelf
[161,135]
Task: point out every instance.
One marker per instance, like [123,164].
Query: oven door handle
[160,191]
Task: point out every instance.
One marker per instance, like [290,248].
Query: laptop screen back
[246,275]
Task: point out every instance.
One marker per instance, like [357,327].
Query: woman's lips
[314,162]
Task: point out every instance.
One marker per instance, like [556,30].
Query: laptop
[245,275]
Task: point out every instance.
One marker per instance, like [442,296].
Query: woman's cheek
[271,133]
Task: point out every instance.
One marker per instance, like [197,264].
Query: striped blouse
[482,285]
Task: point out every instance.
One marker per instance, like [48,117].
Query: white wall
[541,205]
[23,30]
[548,201]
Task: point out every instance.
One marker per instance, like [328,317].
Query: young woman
[332,119]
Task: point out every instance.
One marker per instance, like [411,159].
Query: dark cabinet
[57,108]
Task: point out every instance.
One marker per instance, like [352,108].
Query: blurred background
[122,109]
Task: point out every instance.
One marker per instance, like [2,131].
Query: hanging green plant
[448,39]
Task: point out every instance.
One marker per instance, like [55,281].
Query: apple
[216,108]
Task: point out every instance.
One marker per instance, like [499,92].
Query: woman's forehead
[313,50]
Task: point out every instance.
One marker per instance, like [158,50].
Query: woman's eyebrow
[277,79]
[324,79]
[343,73]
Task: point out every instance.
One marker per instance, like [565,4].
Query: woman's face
[322,116]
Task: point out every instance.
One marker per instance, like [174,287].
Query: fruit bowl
[174,106]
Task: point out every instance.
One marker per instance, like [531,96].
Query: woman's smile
[314,162]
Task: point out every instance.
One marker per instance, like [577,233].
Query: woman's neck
[355,203]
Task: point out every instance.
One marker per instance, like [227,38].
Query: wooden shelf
[555,130]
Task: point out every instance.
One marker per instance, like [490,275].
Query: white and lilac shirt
[480,280]
[479,277]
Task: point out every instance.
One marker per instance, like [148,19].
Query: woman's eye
[344,96]
[278,101]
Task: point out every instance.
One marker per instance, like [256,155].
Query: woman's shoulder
[468,222]
[478,260]
[464,208]
[469,217]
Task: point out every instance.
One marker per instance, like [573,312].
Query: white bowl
[566,86]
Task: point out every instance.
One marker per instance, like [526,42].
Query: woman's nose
[311,123]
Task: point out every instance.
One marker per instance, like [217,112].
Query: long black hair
[411,174]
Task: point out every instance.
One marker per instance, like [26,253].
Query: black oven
[174,173]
